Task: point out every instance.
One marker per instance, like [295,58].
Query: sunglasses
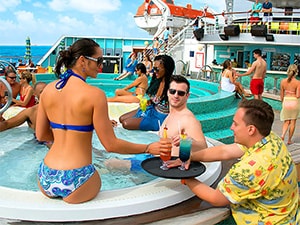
[99,60]
[156,69]
[12,77]
[180,93]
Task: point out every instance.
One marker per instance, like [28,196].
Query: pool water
[20,156]
[109,85]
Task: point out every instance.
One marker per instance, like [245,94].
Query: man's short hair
[258,113]
[181,79]
[257,51]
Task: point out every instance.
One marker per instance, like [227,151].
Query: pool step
[225,135]
[218,119]
[216,123]
[213,103]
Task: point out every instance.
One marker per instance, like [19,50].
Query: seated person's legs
[127,115]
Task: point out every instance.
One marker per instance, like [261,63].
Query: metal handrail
[9,95]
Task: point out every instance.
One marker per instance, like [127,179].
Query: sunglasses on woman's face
[156,69]
[180,93]
[98,60]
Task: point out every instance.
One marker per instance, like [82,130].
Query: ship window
[280,61]
[170,1]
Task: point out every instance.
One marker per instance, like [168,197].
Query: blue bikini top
[59,85]
[65,77]
[82,128]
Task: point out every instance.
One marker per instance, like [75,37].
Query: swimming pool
[109,85]
[20,147]
[147,196]
[158,193]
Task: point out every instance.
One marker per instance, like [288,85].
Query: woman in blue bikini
[69,111]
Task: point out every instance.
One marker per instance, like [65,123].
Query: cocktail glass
[167,156]
[143,105]
[184,151]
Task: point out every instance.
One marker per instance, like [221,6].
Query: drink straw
[165,133]
[159,125]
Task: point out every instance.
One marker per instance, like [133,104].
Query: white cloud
[39,5]
[6,4]
[68,24]
[93,6]
[24,17]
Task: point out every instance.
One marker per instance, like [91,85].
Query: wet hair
[169,65]
[142,67]
[257,51]
[292,72]
[179,79]
[226,64]
[68,57]
[29,77]
[258,113]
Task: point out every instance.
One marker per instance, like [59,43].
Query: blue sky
[46,21]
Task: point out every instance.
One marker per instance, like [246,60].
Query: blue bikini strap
[65,77]
[83,128]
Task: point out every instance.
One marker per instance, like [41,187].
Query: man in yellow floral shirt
[261,187]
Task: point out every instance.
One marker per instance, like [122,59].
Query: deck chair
[275,27]
[284,27]
[293,28]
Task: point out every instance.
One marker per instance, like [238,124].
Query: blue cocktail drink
[184,151]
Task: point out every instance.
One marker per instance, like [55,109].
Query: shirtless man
[259,68]
[180,117]
[27,115]
[10,77]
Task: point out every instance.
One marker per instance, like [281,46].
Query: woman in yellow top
[140,84]
[289,95]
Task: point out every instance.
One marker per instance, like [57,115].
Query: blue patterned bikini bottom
[61,183]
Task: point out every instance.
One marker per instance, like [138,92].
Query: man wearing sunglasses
[11,78]
[181,119]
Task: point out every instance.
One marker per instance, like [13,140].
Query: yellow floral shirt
[262,187]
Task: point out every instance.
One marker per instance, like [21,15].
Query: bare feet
[290,142]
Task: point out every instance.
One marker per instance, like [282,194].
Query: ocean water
[13,53]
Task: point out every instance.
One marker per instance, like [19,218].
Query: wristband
[135,165]
[146,150]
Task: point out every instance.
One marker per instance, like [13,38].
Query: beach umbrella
[61,45]
[28,49]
